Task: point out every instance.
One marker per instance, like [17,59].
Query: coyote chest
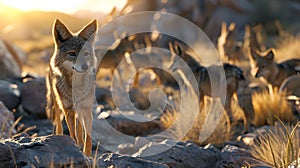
[73,91]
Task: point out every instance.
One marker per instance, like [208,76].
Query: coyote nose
[84,67]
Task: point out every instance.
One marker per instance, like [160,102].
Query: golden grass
[279,147]
[287,47]
[270,104]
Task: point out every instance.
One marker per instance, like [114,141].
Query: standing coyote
[70,82]
[233,75]
[263,65]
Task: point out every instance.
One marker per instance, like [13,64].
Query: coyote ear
[270,55]
[178,49]
[231,37]
[60,32]
[89,32]
[253,54]
[231,34]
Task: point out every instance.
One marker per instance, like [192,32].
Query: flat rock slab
[119,161]
[181,154]
[45,151]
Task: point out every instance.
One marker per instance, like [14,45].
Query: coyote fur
[71,82]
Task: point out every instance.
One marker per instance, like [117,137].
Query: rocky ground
[29,142]
[26,135]
[60,151]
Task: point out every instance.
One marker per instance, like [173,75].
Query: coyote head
[74,52]
[262,65]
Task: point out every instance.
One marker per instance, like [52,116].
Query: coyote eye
[71,53]
[86,54]
[237,48]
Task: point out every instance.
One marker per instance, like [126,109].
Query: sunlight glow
[66,6]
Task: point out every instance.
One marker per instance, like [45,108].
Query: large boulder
[103,95]
[9,67]
[9,94]
[6,122]
[45,151]
[33,97]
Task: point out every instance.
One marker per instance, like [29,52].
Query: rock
[33,97]
[131,127]
[45,151]
[131,148]
[41,127]
[6,122]
[182,154]
[9,67]
[104,95]
[115,160]
[211,147]
[247,139]
[9,94]
[17,53]
[235,157]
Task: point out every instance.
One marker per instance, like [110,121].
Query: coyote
[71,82]
[263,65]
[233,76]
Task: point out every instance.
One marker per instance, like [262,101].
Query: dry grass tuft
[219,135]
[279,147]
[168,118]
[268,105]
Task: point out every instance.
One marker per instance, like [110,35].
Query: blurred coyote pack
[263,65]
[71,82]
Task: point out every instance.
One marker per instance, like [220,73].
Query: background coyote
[70,82]
[264,65]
